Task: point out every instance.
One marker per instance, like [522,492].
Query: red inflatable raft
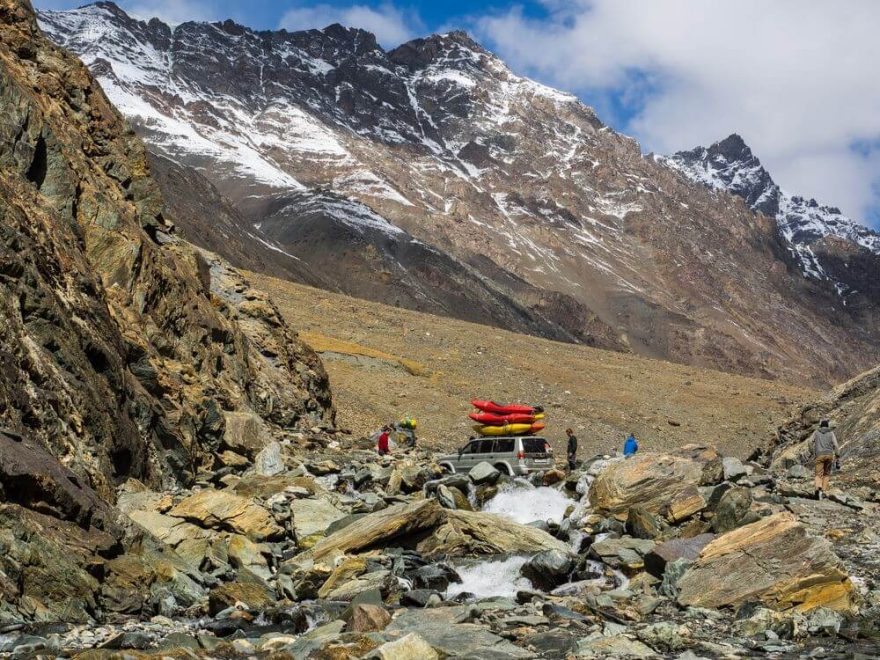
[506,409]
[493,419]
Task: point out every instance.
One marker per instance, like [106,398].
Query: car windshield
[534,445]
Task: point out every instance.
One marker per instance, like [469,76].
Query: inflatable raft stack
[507,419]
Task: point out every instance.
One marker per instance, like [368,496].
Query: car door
[466,458]
[486,451]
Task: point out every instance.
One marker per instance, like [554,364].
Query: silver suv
[513,455]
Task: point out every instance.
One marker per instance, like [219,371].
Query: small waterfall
[472,496]
[523,503]
[487,579]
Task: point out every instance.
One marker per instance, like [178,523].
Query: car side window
[471,447]
[504,445]
[486,446]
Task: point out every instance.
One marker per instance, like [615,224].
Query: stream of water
[523,503]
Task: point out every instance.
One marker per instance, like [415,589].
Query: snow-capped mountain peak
[433,176]
[730,165]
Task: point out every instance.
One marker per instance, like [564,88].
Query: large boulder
[219,509]
[434,531]
[312,517]
[666,553]
[484,473]
[441,629]
[244,433]
[652,481]
[466,533]
[548,569]
[409,647]
[774,561]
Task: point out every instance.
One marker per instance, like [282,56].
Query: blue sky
[797,80]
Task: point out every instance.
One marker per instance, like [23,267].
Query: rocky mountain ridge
[124,349]
[818,236]
[432,177]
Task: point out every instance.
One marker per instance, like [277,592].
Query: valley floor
[385,362]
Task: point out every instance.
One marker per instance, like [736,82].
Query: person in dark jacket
[631,446]
[826,450]
[572,449]
[382,446]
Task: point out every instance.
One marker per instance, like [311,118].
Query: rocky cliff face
[854,410]
[390,173]
[825,244]
[122,348]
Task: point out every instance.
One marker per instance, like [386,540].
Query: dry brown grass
[386,362]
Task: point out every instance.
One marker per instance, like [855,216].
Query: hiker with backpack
[826,450]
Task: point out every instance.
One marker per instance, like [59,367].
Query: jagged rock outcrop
[854,411]
[824,244]
[116,355]
[433,177]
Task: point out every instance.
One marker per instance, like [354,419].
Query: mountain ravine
[173,484]
[432,177]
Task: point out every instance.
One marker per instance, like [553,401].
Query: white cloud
[796,79]
[172,12]
[391,25]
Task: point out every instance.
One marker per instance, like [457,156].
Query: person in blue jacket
[630,447]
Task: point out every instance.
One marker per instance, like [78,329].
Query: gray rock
[433,576]
[128,640]
[642,524]
[313,516]
[666,636]
[824,621]
[548,569]
[484,473]
[733,468]
[672,574]
[408,647]
[445,497]
[625,551]
[443,630]
[732,510]
[420,598]
[268,461]
[661,555]
[557,611]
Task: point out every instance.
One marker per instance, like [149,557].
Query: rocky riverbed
[335,552]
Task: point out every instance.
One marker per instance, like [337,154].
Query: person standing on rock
[572,449]
[382,446]
[825,449]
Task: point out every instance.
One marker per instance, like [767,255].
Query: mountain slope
[819,237]
[534,204]
[386,362]
[122,348]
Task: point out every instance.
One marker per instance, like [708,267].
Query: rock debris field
[339,553]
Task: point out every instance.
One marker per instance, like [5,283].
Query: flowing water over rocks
[524,503]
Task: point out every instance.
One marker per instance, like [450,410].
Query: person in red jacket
[382,447]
